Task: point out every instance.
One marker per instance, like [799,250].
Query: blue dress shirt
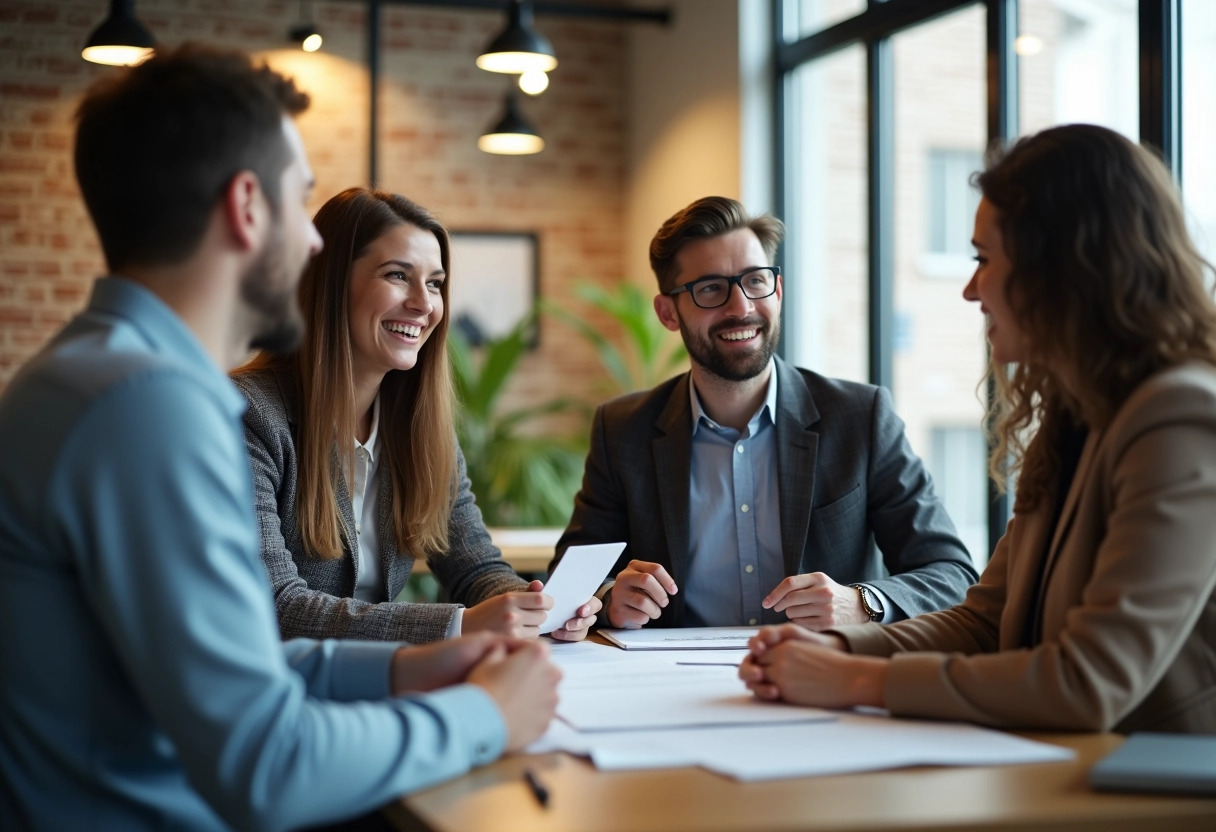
[145,684]
[734,539]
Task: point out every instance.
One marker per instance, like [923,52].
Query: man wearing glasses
[751,491]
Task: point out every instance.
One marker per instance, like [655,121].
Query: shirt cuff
[456,623]
[362,669]
[477,715]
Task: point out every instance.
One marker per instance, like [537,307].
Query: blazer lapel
[1079,481]
[1022,581]
[1025,601]
[396,570]
[797,451]
[672,451]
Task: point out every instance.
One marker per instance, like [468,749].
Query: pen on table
[709,664]
[538,788]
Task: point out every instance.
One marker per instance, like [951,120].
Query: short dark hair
[157,144]
[709,216]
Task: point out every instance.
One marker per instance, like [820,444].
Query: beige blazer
[1128,614]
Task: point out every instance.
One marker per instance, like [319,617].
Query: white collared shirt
[365,498]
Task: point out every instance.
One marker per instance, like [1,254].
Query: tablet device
[1147,762]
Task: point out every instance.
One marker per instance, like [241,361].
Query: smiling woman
[356,467]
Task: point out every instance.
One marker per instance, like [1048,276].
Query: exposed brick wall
[434,103]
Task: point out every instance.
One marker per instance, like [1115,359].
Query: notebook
[1146,762]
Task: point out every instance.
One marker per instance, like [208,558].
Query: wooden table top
[1042,797]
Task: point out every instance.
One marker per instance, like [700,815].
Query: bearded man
[751,491]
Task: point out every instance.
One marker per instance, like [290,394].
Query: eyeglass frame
[731,282]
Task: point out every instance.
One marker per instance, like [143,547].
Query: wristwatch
[869,602]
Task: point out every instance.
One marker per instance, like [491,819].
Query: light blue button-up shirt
[735,518]
[734,539]
[145,685]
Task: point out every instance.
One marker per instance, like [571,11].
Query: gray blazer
[313,596]
[847,480]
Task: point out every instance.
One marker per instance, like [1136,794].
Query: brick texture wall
[434,103]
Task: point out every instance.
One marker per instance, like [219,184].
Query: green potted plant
[645,355]
[521,477]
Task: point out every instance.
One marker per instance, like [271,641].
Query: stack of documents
[651,708]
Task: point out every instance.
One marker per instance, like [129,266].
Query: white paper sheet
[654,692]
[682,638]
[569,653]
[852,743]
[578,575]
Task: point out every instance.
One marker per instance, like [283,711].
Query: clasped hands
[515,672]
[520,614]
[796,665]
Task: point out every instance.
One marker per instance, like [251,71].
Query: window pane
[1199,121]
[1078,62]
[825,296]
[805,17]
[940,131]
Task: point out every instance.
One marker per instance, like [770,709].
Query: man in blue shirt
[145,685]
[751,491]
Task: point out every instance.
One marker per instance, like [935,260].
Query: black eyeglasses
[713,291]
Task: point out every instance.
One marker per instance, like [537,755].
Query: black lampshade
[120,40]
[307,35]
[519,47]
[512,135]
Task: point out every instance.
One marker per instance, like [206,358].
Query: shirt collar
[164,331]
[769,405]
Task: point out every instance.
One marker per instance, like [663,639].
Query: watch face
[870,604]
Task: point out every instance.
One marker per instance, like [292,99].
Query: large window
[1199,121]
[825,252]
[1077,63]
[938,345]
[807,16]
[886,115]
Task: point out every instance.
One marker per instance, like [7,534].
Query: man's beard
[707,352]
[270,297]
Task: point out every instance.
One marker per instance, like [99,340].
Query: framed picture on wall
[495,281]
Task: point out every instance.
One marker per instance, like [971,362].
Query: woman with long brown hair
[1097,610]
[356,468]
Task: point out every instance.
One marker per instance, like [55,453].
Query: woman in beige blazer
[1097,610]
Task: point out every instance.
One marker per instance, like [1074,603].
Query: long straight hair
[417,406]
[1106,287]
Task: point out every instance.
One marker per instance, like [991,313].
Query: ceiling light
[512,135]
[307,36]
[120,40]
[305,32]
[518,48]
[534,82]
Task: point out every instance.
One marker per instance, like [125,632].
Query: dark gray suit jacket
[313,596]
[847,480]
